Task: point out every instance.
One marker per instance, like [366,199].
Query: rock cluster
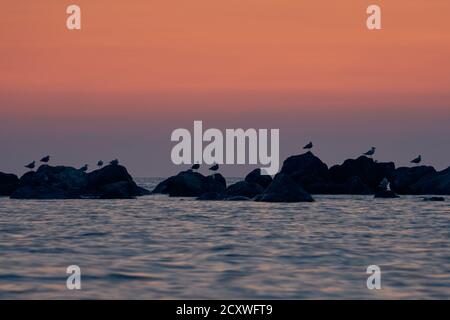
[305,174]
[61,182]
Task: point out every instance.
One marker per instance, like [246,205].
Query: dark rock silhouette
[403,178]
[51,183]
[314,176]
[62,182]
[308,171]
[434,199]
[256,177]
[216,182]
[8,183]
[370,172]
[102,182]
[386,194]
[213,196]
[238,198]
[191,184]
[284,189]
[353,185]
[244,189]
[436,184]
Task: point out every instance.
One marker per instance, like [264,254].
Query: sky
[137,70]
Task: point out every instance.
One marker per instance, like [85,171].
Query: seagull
[100,163]
[371,152]
[115,162]
[214,167]
[417,160]
[31,165]
[308,146]
[84,168]
[45,159]
[195,167]
[384,184]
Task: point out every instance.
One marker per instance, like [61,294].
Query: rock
[256,177]
[43,192]
[403,178]
[113,181]
[50,182]
[370,172]
[352,185]
[238,198]
[191,184]
[216,182]
[8,183]
[307,170]
[386,194]
[437,184]
[434,199]
[62,182]
[117,190]
[284,189]
[245,189]
[211,196]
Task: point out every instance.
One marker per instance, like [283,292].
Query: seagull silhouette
[308,146]
[100,163]
[195,167]
[45,159]
[115,162]
[417,160]
[214,167]
[31,165]
[371,152]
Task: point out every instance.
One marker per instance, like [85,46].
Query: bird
[214,167]
[100,163]
[384,184]
[308,146]
[417,160]
[195,166]
[371,152]
[31,165]
[45,159]
[115,162]
[84,168]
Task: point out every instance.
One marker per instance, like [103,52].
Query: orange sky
[212,57]
[203,45]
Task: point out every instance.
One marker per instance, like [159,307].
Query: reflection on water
[156,247]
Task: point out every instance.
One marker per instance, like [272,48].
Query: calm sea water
[157,247]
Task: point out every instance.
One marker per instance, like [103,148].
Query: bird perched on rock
[195,167]
[115,162]
[308,146]
[45,159]
[31,165]
[214,167]
[371,152]
[417,160]
[100,163]
[384,185]
[84,168]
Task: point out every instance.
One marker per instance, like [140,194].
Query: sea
[157,247]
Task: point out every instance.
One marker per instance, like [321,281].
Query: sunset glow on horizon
[156,65]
